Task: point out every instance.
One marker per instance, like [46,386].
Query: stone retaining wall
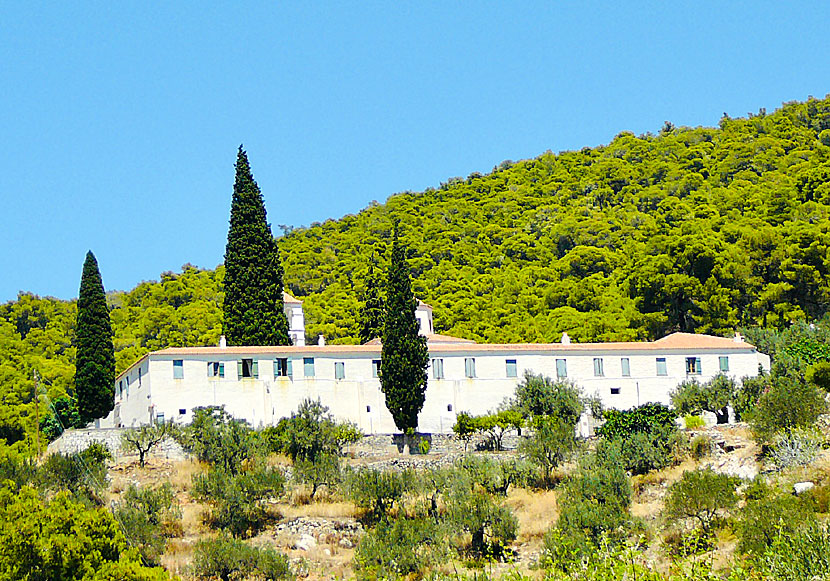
[72,441]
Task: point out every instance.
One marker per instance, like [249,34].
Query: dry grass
[319,510]
[537,511]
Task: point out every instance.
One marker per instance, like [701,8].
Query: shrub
[701,495]
[764,517]
[378,490]
[796,448]
[700,446]
[218,439]
[495,476]
[491,526]
[787,405]
[82,473]
[802,554]
[749,392]
[538,395]
[465,428]
[310,432]
[646,435]
[691,397]
[322,471]
[818,374]
[552,443]
[147,516]
[594,509]
[226,558]
[64,416]
[496,425]
[235,499]
[402,548]
[693,422]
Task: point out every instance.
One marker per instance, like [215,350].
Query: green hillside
[699,230]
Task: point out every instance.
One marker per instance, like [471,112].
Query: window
[178,369]
[339,370]
[120,388]
[308,366]
[661,366]
[598,367]
[469,367]
[247,368]
[375,367]
[724,363]
[693,365]
[182,411]
[215,369]
[615,391]
[139,377]
[449,407]
[282,367]
[626,367]
[561,369]
[368,409]
[159,418]
[511,368]
[437,369]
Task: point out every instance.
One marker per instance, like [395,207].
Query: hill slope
[692,229]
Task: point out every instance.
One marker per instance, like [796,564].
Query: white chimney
[738,338]
[321,340]
[223,342]
[566,340]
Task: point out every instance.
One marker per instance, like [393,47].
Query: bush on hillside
[593,510]
[647,436]
[787,405]
[147,516]
[702,496]
[218,439]
[767,515]
[230,559]
[405,548]
[236,499]
[539,395]
[691,397]
[552,442]
[378,491]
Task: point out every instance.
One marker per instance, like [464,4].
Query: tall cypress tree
[404,354]
[253,306]
[371,324]
[95,356]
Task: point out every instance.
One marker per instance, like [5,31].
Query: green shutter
[239,368]
[289,369]
[221,370]
[255,369]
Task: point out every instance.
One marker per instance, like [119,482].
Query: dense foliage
[253,306]
[95,358]
[699,229]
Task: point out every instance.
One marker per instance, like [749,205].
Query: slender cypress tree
[371,325]
[404,354]
[253,306]
[95,357]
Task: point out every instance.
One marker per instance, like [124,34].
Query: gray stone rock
[800,488]
[346,543]
[305,543]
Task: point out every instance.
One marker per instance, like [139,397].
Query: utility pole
[37,414]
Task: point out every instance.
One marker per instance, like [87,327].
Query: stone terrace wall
[72,441]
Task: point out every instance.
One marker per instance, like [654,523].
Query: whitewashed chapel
[264,384]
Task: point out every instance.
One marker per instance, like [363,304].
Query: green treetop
[95,359]
[404,353]
[371,324]
[253,305]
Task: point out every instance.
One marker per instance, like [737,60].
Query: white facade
[263,384]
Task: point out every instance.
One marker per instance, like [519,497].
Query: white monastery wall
[264,399]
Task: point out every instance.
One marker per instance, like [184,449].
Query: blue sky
[120,120]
